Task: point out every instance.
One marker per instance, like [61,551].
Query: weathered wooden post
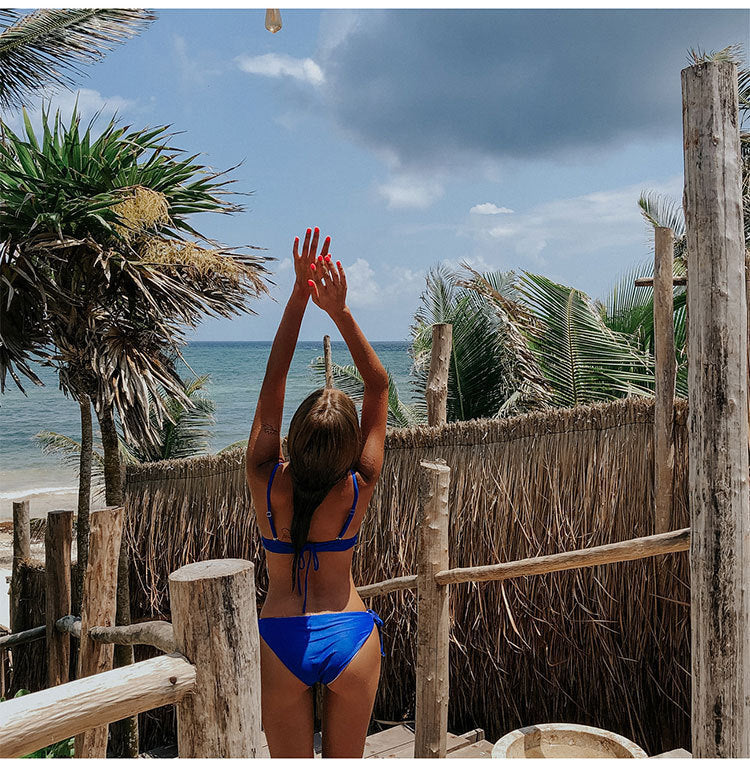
[98,607]
[327,360]
[21,554]
[437,380]
[57,542]
[666,369]
[216,628]
[431,721]
[718,423]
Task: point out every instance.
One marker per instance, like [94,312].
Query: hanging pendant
[273,20]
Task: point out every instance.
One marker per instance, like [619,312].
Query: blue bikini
[316,648]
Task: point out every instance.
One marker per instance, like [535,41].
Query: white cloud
[574,228]
[489,208]
[411,191]
[281,65]
[365,288]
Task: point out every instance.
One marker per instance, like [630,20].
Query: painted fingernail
[312,266]
[328,239]
[320,258]
[309,230]
[311,283]
[317,230]
[338,263]
[296,240]
[328,258]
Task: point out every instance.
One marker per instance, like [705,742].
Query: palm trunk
[125,732]
[84,497]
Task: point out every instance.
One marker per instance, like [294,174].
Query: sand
[41,502]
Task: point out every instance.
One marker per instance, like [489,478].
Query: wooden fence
[201,646]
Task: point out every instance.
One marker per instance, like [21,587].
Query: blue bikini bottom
[317,648]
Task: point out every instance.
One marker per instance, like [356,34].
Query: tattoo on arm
[270,429]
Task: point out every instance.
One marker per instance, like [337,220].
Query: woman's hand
[327,283]
[304,261]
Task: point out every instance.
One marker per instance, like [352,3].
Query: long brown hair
[323,445]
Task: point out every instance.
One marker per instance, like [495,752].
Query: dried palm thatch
[607,646]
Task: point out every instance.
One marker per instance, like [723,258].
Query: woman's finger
[326,246]
[331,272]
[295,249]
[306,244]
[313,291]
[314,242]
[342,275]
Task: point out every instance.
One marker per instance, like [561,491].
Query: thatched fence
[608,646]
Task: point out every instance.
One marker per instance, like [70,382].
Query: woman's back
[326,565]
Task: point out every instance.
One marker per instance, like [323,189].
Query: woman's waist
[323,595]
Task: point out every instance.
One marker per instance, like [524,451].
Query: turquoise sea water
[236,371]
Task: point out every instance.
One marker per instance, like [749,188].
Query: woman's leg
[348,702]
[287,708]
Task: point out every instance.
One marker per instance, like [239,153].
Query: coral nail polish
[310,283]
[338,263]
[328,258]
[317,230]
[312,266]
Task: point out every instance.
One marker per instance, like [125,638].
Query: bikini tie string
[304,564]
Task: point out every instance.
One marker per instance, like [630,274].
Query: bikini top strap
[350,516]
[268,499]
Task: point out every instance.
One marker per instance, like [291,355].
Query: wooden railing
[203,642]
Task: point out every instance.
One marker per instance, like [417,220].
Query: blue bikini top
[309,551]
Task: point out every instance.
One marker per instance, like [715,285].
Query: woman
[313,624]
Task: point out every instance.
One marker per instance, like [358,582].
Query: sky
[508,139]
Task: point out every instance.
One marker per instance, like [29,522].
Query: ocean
[236,370]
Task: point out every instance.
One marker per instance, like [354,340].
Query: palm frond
[346,378]
[182,431]
[583,360]
[45,48]
[662,211]
[490,361]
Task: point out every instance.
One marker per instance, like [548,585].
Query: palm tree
[43,49]
[185,434]
[492,372]
[98,254]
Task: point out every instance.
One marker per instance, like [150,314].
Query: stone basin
[565,740]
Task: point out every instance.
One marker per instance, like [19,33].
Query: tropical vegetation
[44,50]
[101,271]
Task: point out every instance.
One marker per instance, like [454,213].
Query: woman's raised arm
[264,444]
[328,287]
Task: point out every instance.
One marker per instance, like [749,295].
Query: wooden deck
[399,742]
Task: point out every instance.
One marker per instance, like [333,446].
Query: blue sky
[510,139]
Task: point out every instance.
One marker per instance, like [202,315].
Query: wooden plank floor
[399,742]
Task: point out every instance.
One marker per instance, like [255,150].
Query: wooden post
[57,543]
[216,628]
[718,423]
[328,360]
[666,370]
[431,722]
[98,607]
[437,380]
[21,554]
